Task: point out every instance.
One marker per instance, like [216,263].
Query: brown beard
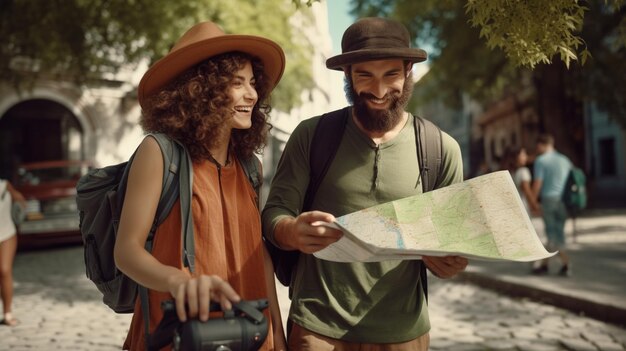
[379,121]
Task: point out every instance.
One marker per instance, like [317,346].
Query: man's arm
[283,224]
[530,195]
[536,187]
[534,204]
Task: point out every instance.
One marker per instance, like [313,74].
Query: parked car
[50,191]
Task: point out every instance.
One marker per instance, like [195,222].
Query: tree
[528,31]
[486,48]
[85,40]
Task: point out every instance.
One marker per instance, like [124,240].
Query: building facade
[99,122]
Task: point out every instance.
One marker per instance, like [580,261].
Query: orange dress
[227,232]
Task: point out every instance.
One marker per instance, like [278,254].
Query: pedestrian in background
[211,93]
[8,246]
[551,169]
[517,159]
[373,305]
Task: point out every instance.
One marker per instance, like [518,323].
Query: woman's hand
[198,292]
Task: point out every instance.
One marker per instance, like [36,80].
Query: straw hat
[374,38]
[203,41]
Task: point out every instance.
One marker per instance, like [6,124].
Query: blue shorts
[554,217]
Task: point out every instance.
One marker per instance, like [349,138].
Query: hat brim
[176,62]
[340,61]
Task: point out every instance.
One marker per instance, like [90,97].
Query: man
[550,174]
[377,305]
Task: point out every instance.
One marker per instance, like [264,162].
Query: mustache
[388,96]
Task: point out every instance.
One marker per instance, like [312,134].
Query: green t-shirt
[378,302]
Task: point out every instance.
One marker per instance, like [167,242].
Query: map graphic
[481,218]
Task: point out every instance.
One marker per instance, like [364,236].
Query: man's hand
[307,232]
[445,267]
[535,209]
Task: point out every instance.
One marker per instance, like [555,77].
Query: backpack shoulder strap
[429,152]
[177,180]
[253,169]
[429,159]
[171,165]
[323,148]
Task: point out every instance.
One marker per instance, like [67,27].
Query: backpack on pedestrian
[323,148]
[575,192]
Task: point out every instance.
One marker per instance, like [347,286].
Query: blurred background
[499,73]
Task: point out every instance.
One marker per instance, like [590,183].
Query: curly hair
[194,107]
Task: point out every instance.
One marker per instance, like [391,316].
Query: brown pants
[302,339]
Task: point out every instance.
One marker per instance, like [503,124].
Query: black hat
[374,38]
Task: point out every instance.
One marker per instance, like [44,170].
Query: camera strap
[251,311]
[164,332]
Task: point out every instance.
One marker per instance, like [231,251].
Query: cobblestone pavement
[465,317]
[60,309]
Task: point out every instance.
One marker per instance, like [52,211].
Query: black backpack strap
[186,187]
[171,164]
[252,167]
[324,145]
[322,150]
[429,158]
[429,153]
[177,179]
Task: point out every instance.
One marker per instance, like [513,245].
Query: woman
[517,159]
[210,93]
[8,247]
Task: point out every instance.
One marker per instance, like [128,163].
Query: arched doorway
[38,130]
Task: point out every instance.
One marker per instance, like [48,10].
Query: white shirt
[7,227]
[522,174]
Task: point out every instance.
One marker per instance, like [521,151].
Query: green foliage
[461,61]
[299,3]
[530,31]
[83,40]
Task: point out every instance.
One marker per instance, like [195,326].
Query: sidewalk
[597,287]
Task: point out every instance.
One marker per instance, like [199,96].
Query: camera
[242,328]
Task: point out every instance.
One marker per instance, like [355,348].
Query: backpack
[326,139]
[575,192]
[99,199]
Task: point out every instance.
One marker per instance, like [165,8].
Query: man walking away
[550,172]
